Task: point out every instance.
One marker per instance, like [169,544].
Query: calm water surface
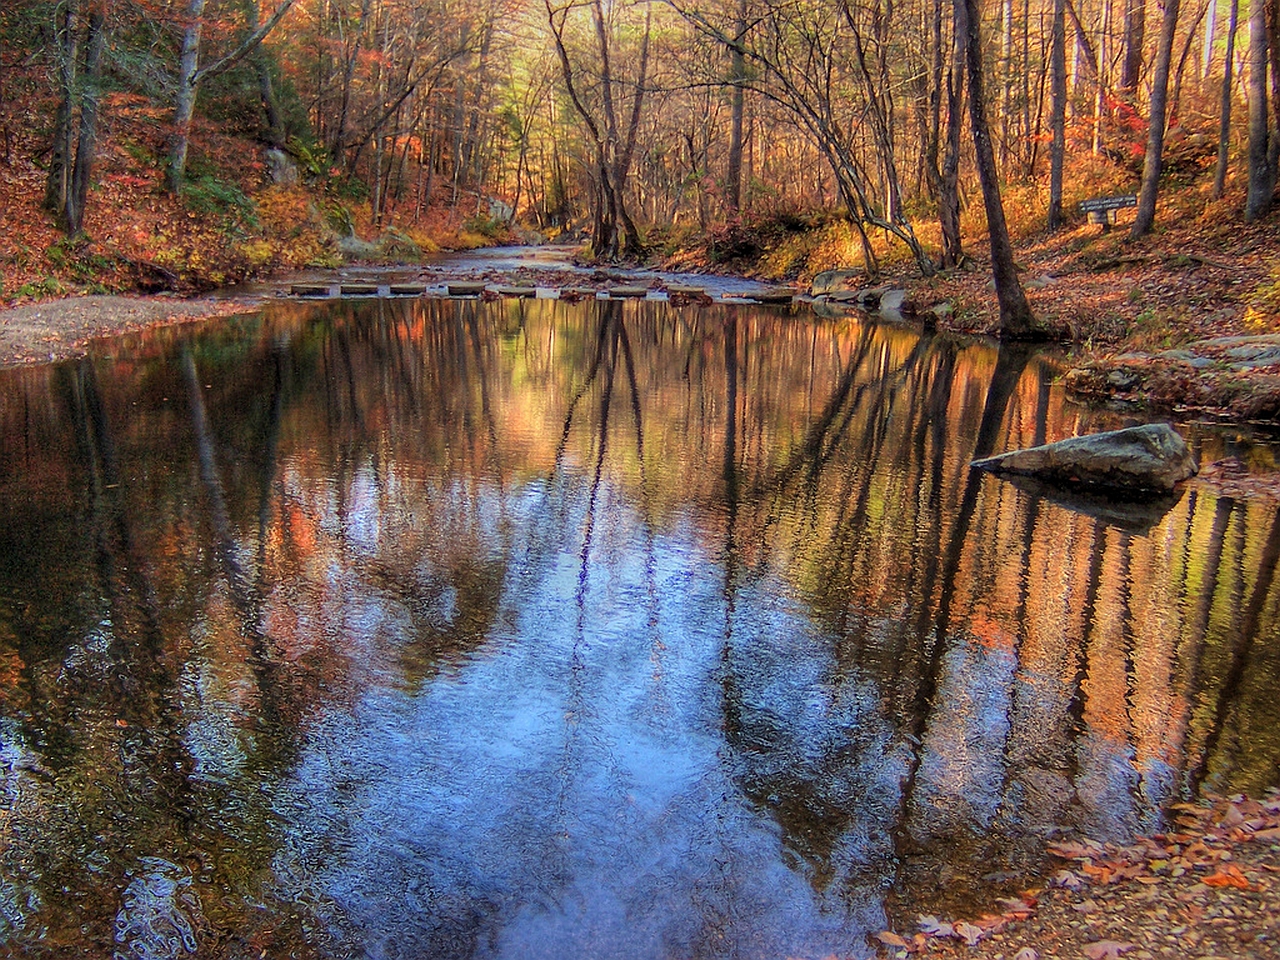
[529,629]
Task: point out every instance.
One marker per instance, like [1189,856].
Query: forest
[791,135]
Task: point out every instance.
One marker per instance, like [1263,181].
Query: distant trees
[618,118]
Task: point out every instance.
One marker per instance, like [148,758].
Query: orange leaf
[1228,876]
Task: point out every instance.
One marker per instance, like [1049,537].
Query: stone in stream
[359,289]
[465,288]
[517,293]
[766,296]
[633,293]
[309,290]
[407,289]
[837,282]
[1135,462]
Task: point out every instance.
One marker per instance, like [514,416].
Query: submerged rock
[1138,461]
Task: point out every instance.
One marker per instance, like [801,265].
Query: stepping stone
[619,293]
[459,288]
[767,296]
[408,289]
[359,289]
[309,290]
[684,290]
[518,292]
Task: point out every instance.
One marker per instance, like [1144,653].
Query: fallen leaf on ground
[1228,876]
[968,933]
[1026,953]
[935,927]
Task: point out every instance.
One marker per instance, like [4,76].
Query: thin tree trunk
[949,194]
[1224,125]
[1206,63]
[1155,134]
[733,172]
[1058,119]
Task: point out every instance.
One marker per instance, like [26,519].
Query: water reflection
[532,629]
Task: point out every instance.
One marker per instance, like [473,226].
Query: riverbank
[1208,888]
[62,329]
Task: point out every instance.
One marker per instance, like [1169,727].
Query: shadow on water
[464,629]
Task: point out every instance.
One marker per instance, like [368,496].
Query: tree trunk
[1155,134]
[1224,125]
[87,141]
[58,181]
[1058,118]
[1206,64]
[949,194]
[733,171]
[1262,177]
[1135,19]
[1016,319]
[185,97]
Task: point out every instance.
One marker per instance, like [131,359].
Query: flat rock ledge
[1139,462]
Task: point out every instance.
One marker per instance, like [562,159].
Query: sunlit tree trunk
[1262,175]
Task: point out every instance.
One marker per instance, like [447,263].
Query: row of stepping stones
[468,289]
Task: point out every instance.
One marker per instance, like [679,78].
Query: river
[450,628]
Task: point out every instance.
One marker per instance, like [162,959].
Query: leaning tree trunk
[1262,177]
[1155,134]
[1016,319]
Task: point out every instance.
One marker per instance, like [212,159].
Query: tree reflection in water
[475,629]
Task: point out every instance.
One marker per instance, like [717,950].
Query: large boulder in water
[1138,461]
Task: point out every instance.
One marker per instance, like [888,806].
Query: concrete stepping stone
[359,289]
[465,288]
[407,289]
[309,290]
[633,293]
[517,292]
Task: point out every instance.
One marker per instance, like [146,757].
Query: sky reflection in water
[530,629]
